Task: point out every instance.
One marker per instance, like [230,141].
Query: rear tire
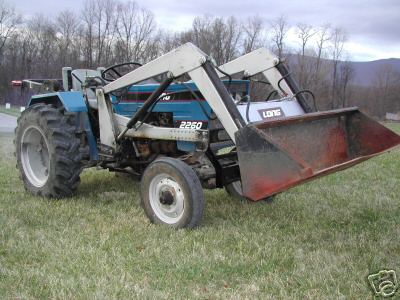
[171,194]
[48,151]
[234,189]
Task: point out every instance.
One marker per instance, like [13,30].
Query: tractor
[179,124]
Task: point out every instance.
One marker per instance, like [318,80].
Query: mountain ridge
[365,72]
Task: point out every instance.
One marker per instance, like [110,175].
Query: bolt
[166,198]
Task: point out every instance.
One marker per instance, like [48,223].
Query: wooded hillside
[105,32]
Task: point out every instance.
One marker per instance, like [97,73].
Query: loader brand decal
[191,124]
[271,113]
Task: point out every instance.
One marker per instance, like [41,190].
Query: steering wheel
[116,71]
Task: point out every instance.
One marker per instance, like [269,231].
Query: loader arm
[265,62]
[187,59]
[255,62]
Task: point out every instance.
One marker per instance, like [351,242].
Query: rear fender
[71,101]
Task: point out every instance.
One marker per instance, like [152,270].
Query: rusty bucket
[276,155]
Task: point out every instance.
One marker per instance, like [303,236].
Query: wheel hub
[166,198]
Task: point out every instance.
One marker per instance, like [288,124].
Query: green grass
[13,111]
[319,240]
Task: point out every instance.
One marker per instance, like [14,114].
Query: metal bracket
[161,133]
[106,120]
[258,61]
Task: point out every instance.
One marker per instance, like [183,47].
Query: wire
[112,68]
[248,108]
[280,80]
[258,81]
[227,75]
[312,96]
[247,96]
[223,72]
[270,94]
[255,80]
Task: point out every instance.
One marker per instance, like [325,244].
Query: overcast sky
[372,26]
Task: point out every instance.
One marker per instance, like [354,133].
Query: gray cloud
[373,19]
[373,23]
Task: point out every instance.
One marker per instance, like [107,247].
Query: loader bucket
[276,155]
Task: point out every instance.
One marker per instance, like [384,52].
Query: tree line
[106,32]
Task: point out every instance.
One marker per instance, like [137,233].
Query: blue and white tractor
[180,124]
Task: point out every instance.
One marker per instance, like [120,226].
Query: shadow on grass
[97,183]
[101,187]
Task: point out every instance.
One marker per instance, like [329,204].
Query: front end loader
[180,124]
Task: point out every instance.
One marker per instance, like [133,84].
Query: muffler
[279,154]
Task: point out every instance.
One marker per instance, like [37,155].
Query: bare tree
[104,17]
[88,18]
[338,40]
[218,37]
[68,27]
[346,75]
[280,29]
[99,17]
[143,34]
[304,33]
[323,38]
[41,32]
[9,20]
[200,34]
[386,89]
[231,39]
[253,34]
[125,27]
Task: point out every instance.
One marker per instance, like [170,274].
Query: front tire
[171,194]
[48,151]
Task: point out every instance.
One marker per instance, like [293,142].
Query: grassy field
[317,241]
[13,111]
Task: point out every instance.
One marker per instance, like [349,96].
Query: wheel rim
[166,198]
[35,156]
